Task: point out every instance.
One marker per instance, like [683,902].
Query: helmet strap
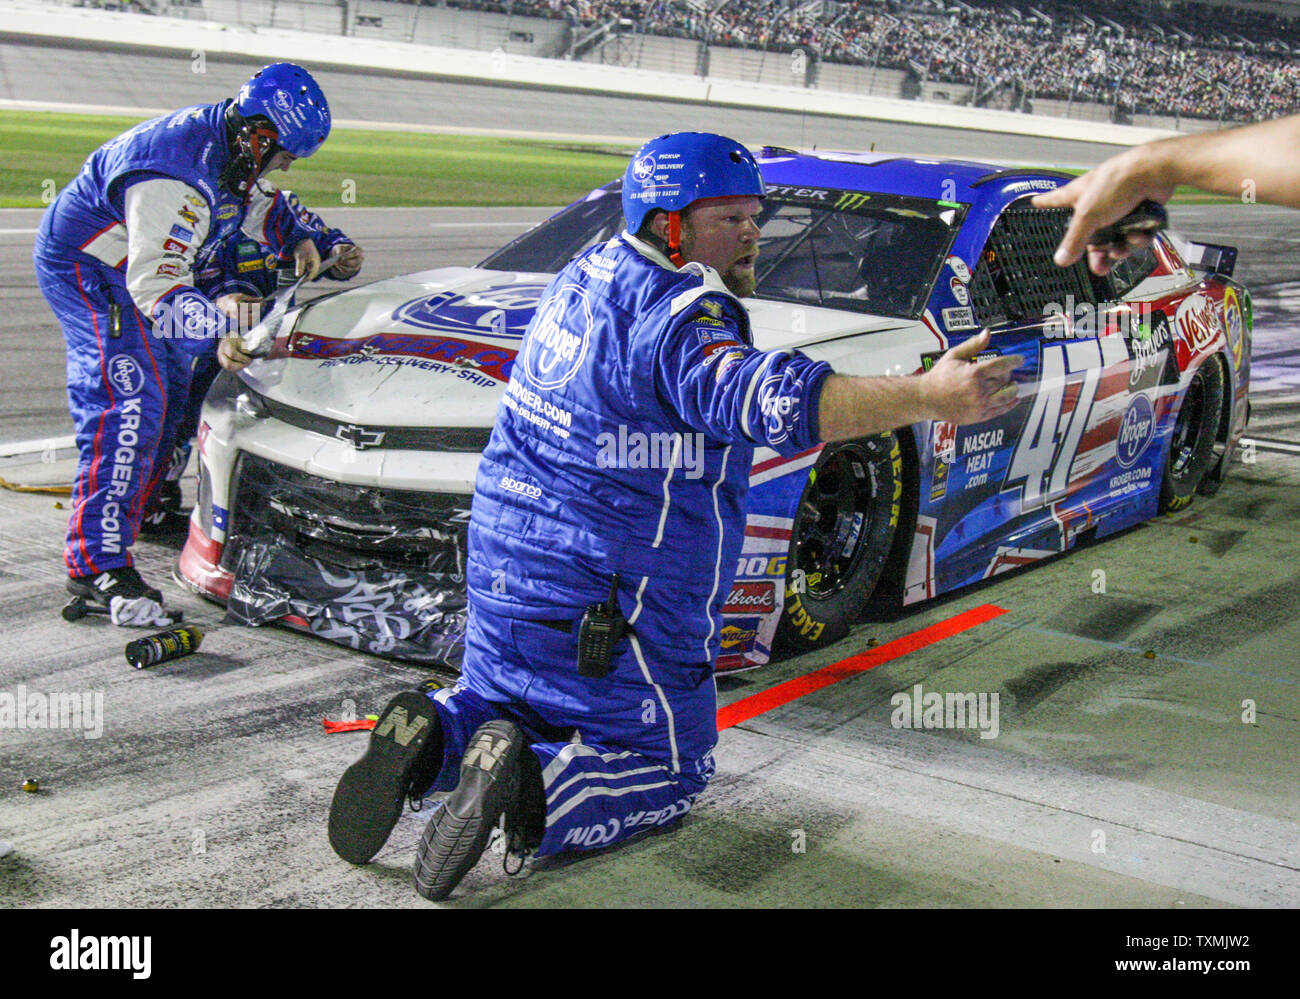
[675,239]
[251,146]
[261,143]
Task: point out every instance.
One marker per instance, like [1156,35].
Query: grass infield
[41,151]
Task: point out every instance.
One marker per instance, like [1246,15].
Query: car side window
[880,262]
[1016,279]
[1127,274]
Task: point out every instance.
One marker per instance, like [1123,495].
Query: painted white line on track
[1260,207]
[35,447]
[18,232]
[1263,444]
[633,142]
[475,225]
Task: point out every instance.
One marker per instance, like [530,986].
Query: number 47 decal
[1045,452]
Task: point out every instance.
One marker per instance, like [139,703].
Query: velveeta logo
[1197,321]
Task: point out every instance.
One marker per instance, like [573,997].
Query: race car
[335,476]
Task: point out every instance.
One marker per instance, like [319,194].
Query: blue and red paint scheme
[1121,380]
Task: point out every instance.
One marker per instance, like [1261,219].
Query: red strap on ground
[783,693]
[353,726]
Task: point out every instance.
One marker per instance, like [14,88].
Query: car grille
[356,527]
[361,437]
[1012,280]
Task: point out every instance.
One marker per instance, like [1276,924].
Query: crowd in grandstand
[1137,56]
[1143,56]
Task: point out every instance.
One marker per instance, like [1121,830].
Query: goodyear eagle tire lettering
[844,529]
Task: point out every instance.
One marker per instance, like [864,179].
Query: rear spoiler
[1212,258]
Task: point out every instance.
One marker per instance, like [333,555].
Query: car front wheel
[843,533]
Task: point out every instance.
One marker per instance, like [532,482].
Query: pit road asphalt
[1117,779]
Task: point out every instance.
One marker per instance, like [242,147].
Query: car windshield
[871,253]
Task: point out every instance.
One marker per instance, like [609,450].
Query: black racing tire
[1191,449]
[841,540]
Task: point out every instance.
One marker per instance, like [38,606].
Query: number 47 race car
[335,476]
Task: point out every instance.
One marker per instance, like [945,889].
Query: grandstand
[1154,62]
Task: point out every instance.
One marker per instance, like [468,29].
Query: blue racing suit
[622,446]
[114,258]
[241,265]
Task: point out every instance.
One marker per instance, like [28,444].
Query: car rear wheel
[843,533]
[1191,451]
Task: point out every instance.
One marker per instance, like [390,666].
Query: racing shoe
[165,526]
[403,758]
[165,519]
[499,777]
[168,497]
[126,598]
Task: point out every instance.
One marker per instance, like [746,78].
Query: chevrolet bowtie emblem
[359,437]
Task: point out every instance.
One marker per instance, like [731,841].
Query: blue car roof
[949,180]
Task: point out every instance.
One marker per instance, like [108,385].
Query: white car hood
[435,349]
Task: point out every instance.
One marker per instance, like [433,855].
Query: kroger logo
[778,410]
[1135,431]
[557,344]
[125,374]
[643,169]
[503,310]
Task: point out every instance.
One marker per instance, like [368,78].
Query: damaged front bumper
[376,568]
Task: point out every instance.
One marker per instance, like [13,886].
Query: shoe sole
[88,592]
[368,800]
[456,836]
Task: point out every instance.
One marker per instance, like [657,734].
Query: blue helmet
[292,100]
[674,170]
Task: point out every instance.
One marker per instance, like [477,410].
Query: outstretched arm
[958,389]
[1260,159]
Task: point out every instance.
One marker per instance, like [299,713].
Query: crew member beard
[742,282]
[739,278]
